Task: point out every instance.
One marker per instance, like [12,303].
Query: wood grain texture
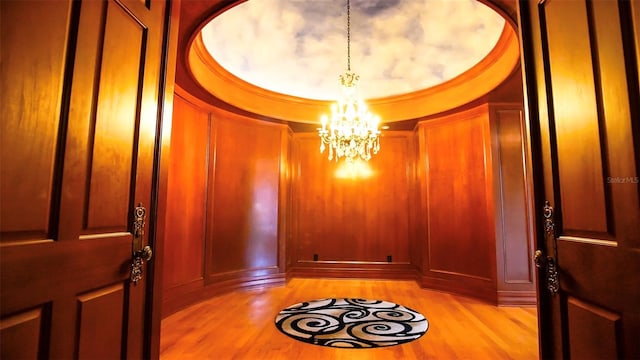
[21,335]
[116,123]
[227,234]
[583,110]
[515,249]
[166,94]
[576,105]
[457,191]
[594,331]
[100,317]
[620,115]
[90,113]
[514,239]
[351,212]
[243,219]
[186,195]
[28,130]
[240,325]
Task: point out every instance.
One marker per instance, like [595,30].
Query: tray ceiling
[298,47]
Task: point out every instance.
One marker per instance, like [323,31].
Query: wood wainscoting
[352,219]
[456,195]
[512,198]
[226,196]
[251,203]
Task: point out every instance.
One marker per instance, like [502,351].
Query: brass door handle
[538,259]
[548,264]
[144,254]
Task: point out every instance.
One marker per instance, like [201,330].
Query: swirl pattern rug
[351,323]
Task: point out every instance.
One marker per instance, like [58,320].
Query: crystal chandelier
[351,131]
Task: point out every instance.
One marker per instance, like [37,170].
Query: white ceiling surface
[299,47]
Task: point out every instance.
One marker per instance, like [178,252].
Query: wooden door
[81,89]
[581,65]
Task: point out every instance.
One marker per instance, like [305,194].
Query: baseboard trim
[181,297]
[185,295]
[461,285]
[347,270]
[517,298]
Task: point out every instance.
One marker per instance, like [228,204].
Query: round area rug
[351,323]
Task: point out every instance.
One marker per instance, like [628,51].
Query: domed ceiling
[298,47]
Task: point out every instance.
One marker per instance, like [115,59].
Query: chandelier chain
[348,36]
[351,131]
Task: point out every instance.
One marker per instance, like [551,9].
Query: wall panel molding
[188,294]
[513,220]
[350,270]
[344,213]
[227,189]
[456,194]
[187,195]
[425,212]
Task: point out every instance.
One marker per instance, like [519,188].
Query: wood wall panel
[100,316]
[354,223]
[186,195]
[514,239]
[515,230]
[458,210]
[29,133]
[285,201]
[244,218]
[116,120]
[227,203]
[21,335]
[416,213]
[459,244]
[358,212]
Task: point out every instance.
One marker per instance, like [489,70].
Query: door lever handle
[146,253]
[538,259]
[548,264]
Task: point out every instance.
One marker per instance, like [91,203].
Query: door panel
[21,335]
[29,131]
[115,123]
[80,135]
[593,330]
[101,310]
[581,70]
[574,101]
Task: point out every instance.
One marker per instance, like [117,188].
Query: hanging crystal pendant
[351,131]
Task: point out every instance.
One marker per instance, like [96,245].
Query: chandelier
[351,131]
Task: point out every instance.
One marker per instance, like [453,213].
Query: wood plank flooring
[240,325]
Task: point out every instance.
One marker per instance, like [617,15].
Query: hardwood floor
[240,325]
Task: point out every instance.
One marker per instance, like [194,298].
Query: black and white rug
[351,323]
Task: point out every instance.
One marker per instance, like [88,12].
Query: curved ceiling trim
[474,83]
